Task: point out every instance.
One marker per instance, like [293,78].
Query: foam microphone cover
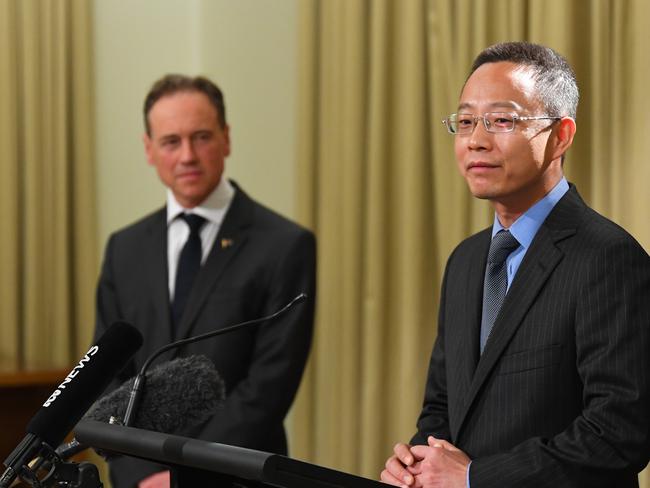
[177,394]
[87,380]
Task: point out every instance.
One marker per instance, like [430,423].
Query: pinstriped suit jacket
[561,395]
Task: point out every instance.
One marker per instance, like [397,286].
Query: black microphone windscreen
[87,380]
[180,393]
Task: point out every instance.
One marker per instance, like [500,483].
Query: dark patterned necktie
[189,264]
[496,281]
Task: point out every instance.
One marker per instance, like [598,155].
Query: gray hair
[554,78]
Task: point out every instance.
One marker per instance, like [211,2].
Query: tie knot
[503,243]
[195,222]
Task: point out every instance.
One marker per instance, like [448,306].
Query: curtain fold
[378,183]
[371,163]
[48,250]
[9,248]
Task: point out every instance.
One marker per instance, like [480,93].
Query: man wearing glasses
[540,375]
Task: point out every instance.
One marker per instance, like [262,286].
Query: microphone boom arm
[140,379]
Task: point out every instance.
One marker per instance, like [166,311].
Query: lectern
[196,463]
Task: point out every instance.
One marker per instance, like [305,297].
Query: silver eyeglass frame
[488,126]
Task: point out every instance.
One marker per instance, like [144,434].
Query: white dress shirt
[213,210]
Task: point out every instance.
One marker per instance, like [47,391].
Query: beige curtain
[47,202]
[366,188]
[379,185]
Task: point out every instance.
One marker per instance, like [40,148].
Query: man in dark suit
[247,262]
[540,374]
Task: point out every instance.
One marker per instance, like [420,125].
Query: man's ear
[148,149]
[563,136]
[226,134]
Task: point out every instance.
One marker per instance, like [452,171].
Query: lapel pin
[226,243]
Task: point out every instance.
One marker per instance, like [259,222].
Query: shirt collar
[527,225]
[213,208]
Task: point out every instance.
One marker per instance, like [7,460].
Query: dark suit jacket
[560,396]
[259,262]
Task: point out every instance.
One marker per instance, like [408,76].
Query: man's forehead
[490,106]
[182,109]
[501,86]
[183,101]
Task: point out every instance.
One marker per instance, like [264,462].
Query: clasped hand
[439,464]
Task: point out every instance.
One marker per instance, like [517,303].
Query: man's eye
[465,122]
[203,136]
[505,121]
[169,142]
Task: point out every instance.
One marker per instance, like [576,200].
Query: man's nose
[480,138]
[188,154]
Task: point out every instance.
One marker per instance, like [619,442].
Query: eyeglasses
[496,122]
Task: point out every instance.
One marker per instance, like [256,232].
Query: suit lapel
[231,238]
[156,263]
[466,350]
[538,264]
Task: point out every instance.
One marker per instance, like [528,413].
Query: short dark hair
[174,83]
[555,80]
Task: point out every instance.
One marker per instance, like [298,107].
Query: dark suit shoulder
[477,239]
[600,229]
[247,212]
[595,231]
[142,225]
[266,218]
[475,243]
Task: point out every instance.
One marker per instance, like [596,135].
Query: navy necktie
[189,264]
[496,280]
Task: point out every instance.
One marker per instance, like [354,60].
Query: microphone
[65,406]
[180,393]
[140,379]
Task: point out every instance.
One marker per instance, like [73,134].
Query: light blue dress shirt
[526,226]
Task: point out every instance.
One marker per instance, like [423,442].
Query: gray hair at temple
[555,80]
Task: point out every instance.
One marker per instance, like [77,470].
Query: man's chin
[481,193]
[190,199]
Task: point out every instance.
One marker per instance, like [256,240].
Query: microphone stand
[75,475]
[60,474]
[140,379]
